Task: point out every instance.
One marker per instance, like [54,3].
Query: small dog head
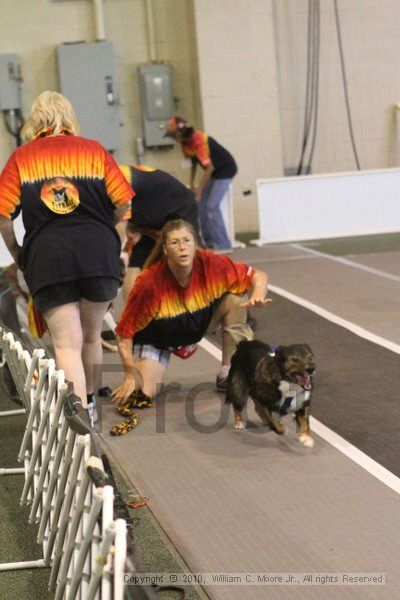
[296,363]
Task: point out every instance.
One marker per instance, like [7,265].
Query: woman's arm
[140,309]
[121,228]
[259,289]
[132,377]
[125,350]
[119,212]
[7,232]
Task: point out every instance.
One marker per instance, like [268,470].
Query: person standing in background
[71,194]
[219,168]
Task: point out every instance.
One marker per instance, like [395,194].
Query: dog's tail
[240,348]
[236,378]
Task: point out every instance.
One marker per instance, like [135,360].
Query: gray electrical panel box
[10,82]
[87,79]
[155,83]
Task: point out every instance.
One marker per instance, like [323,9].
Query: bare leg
[65,328]
[152,373]
[92,315]
[132,274]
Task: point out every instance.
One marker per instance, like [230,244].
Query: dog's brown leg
[263,413]
[278,426]
[269,419]
[303,424]
[239,423]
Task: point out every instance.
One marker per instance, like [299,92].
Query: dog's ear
[280,350]
[308,349]
[282,353]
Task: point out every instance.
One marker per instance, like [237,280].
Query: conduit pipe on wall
[100,32]
[396,134]
[151,37]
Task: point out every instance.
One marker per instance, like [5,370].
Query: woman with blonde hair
[50,110]
[71,194]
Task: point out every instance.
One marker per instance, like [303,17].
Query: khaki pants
[231,317]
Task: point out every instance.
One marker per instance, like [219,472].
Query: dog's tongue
[304,381]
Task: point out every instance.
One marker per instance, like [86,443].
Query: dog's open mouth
[304,380]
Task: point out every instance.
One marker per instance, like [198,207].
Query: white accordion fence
[65,484]
[328,206]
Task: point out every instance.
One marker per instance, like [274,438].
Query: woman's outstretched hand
[123,391]
[255,302]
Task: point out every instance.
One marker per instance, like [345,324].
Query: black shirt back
[160,198]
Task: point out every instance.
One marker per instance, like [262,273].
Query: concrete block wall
[370,38]
[239,92]
[239,73]
[33,30]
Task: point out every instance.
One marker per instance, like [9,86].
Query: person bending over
[174,303]
[159,198]
[219,168]
[71,193]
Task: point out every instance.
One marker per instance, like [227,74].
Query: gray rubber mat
[388,261]
[371,301]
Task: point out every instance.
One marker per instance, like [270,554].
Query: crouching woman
[175,302]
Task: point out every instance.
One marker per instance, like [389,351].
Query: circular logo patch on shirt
[60,195]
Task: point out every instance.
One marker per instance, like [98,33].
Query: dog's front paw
[306,440]
[280,428]
[240,425]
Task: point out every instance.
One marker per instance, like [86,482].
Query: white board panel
[326,206]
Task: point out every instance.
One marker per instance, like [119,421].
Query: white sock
[224,371]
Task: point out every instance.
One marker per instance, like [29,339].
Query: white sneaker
[92,412]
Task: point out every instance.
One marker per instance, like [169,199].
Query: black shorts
[95,289]
[141,251]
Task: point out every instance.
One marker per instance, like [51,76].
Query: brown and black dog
[279,382]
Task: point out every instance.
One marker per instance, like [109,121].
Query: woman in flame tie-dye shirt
[70,193]
[176,301]
[219,168]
